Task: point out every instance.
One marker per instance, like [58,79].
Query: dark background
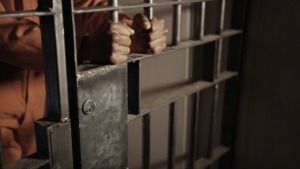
[268,134]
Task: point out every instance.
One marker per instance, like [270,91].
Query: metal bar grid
[176,39]
[134,5]
[186,44]
[178,93]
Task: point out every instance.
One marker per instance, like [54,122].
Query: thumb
[142,21]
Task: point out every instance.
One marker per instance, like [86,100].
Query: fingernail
[131,31]
[147,25]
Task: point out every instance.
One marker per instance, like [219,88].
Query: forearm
[20,44]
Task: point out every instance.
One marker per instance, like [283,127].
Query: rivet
[89,107]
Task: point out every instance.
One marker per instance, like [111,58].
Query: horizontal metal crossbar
[29,162]
[187,44]
[133,5]
[176,94]
[20,14]
[218,152]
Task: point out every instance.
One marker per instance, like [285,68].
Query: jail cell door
[175,109]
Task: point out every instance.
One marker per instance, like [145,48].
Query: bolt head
[89,107]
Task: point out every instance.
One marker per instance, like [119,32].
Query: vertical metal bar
[146,118]
[194,130]
[146,141]
[115,13]
[172,136]
[216,87]
[176,23]
[57,79]
[55,62]
[71,56]
[1,153]
[213,121]
[149,10]
[220,42]
[202,26]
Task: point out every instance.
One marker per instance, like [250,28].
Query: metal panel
[34,161]
[54,143]
[102,106]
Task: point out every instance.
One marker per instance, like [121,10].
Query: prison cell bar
[21,14]
[147,118]
[194,129]
[16,15]
[114,14]
[134,5]
[176,23]
[172,136]
[217,72]
[203,12]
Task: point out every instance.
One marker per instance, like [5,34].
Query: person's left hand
[150,35]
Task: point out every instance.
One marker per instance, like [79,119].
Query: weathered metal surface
[54,143]
[103,133]
[34,161]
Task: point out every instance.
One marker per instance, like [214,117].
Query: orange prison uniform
[22,88]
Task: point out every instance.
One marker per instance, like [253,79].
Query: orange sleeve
[20,43]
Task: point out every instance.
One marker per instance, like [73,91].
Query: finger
[117,28]
[123,50]
[159,48]
[142,21]
[158,34]
[157,24]
[116,48]
[117,58]
[122,40]
[158,42]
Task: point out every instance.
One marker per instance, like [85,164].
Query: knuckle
[113,27]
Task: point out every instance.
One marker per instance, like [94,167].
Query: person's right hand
[110,45]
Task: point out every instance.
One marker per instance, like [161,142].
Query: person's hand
[110,45]
[150,35]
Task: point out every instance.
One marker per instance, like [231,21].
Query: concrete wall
[268,134]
